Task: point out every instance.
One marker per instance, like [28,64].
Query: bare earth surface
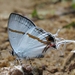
[55,62]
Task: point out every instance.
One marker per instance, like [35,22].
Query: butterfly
[29,41]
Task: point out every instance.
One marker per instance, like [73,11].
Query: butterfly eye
[50,38]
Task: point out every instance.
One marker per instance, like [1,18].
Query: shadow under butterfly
[28,40]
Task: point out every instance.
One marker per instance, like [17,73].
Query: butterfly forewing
[17,27]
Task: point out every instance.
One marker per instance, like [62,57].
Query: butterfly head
[51,41]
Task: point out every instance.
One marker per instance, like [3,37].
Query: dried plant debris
[22,70]
[67,60]
[71,67]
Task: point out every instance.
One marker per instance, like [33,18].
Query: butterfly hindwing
[33,44]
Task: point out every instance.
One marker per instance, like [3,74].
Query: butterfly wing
[32,43]
[26,39]
[17,27]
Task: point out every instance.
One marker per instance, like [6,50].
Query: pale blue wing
[26,39]
[17,27]
[29,47]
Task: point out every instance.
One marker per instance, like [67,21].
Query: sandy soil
[56,62]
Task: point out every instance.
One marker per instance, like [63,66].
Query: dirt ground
[53,15]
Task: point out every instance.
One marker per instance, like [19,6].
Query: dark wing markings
[16,31]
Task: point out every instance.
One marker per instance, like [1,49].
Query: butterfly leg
[17,60]
[45,49]
[63,49]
